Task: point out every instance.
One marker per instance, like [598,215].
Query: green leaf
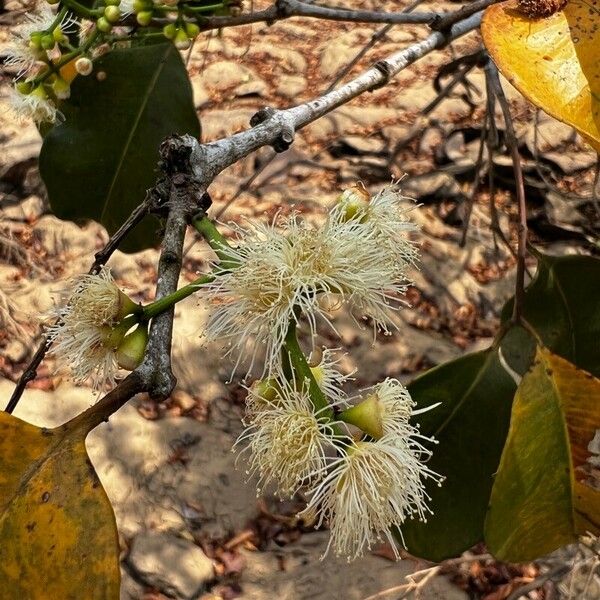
[100,161]
[471,426]
[547,491]
[562,306]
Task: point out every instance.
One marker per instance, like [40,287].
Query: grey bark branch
[209,160]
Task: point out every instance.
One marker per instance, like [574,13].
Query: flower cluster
[360,460]
[91,335]
[363,489]
[51,48]
[290,268]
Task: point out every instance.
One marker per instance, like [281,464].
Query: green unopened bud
[24,87]
[192,30]
[182,41]
[126,306]
[58,35]
[267,389]
[103,25]
[144,18]
[84,65]
[35,40]
[366,416]
[170,31]
[141,5]
[130,352]
[112,13]
[47,42]
[353,201]
[40,92]
[61,88]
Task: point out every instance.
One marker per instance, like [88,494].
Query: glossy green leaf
[471,425]
[100,161]
[547,490]
[562,304]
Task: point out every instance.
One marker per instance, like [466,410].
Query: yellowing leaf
[58,537]
[554,62]
[547,489]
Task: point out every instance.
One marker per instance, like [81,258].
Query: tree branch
[511,143]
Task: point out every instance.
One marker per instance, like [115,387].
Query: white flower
[371,488]
[288,441]
[83,338]
[284,274]
[35,106]
[328,377]
[21,57]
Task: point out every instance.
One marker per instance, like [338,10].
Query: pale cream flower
[287,440]
[371,488]
[284,273]
[35,106]
[83,338]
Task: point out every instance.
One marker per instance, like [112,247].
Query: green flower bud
[141,5]
[130,352]
[353,201]
[35,40]
[112,13]
[366,416]
[170,31]
[267,389]
[103,25]
[24,87]
[182,41]
[61,88]
[144,18]
[192,30]
[47,42]
[58,35]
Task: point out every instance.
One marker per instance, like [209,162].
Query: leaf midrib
[143,104]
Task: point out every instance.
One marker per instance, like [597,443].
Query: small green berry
[103,25]
[182,41]
[141,5]
[170,31]
[144,18]
[112,13]
[35,40]
[192,30]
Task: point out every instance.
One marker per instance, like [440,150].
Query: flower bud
[141,5]
[170,31]
[47,42]
[267,389]
[61,88]
[130,352]
[353,200]
[35,40]
[366,416]
[192,30]
[144,18]
[84,65]
[103,25]
[59,36]
[112,13]
[182,41]
[24,87]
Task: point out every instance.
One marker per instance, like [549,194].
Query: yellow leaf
[547,489]
[554,62]
[58,537]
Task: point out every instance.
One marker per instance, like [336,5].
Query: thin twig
[101,257]
[512,144]
[538,582]
[444,22]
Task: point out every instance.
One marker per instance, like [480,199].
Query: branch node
[264,114]
[386,70]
